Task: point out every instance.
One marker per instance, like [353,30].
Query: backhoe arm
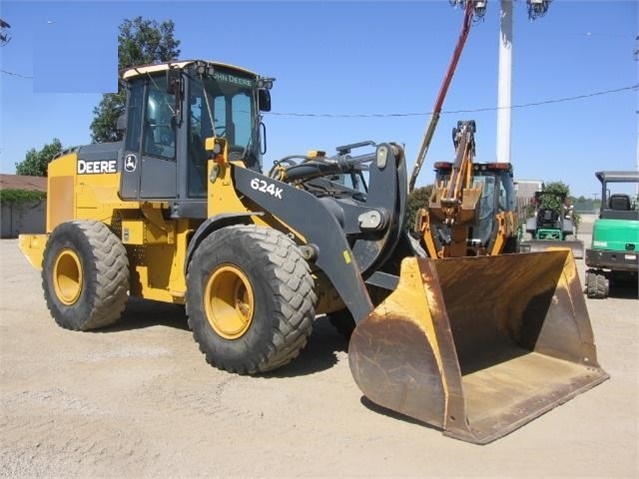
[454,201]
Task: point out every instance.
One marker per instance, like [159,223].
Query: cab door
[149,168]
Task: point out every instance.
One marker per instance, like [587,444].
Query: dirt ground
[138,400]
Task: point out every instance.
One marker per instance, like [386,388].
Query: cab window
[159,130]
[134,115]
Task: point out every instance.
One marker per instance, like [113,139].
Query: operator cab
[616,202]
[497,195]
[171,110]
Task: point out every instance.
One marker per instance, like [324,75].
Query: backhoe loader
[181,211]
[472,208]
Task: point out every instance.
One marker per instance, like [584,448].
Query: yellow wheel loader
[180,211]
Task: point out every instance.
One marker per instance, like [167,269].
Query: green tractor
[614,253]
[551,225]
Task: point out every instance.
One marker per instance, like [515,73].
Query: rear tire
[85,275]
[250,299]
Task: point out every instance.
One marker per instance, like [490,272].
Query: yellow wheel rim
[228,302]
[67,277]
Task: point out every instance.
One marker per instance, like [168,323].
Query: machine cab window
[221,105]
[134,115]
[159,124]
[151,118]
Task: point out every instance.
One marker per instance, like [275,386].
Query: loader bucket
[533,246]
[478,346]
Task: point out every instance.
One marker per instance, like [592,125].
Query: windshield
[482,230]
[486,207]
[225,103]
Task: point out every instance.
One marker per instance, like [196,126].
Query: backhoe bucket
[478,346]
[533,246]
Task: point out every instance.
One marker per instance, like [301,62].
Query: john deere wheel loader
[181,212]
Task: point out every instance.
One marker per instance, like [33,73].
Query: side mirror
[264,99]
[121,123]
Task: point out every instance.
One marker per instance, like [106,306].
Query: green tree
[418,198]
[35,162]
[549,201]
[556,205]
[140,42]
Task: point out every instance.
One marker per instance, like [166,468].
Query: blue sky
[349,58]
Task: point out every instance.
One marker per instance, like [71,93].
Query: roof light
[265,83]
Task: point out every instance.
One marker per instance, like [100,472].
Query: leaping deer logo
[130,163]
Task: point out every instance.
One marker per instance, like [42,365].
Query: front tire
[85,275]
[250,299]
[343,323]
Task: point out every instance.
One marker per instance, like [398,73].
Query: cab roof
[618,176]
[160,67]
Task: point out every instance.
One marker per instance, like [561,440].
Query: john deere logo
[130,163]
[96,167]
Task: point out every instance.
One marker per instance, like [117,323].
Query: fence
[18,218]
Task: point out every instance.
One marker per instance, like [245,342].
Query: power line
[16,75]
[476,110]
[444,112]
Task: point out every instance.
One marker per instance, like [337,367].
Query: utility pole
[536,9]
[504,88]
[636,55]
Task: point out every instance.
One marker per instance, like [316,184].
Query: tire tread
[110,283]
[294,294]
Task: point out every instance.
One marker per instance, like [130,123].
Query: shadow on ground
[376,408]
[142,313]
[319,354]
[624,290]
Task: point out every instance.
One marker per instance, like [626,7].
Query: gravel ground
[138,400]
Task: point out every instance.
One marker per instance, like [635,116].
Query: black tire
[261,299]
[597,285]
[603,286]
[343,322]
[511,245]
[591,285]
[85,275]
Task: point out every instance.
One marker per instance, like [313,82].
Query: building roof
[527,188]
[19,182]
